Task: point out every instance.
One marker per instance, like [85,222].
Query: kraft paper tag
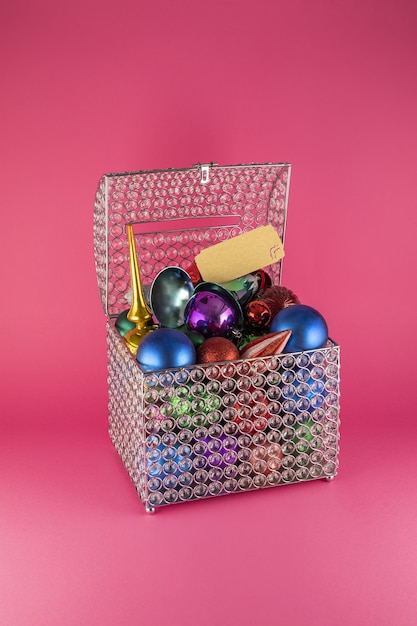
[240,255]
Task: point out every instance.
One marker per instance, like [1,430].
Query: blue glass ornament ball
[164,348]
[308,326]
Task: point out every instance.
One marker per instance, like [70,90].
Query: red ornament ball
[194,273]
[266,304]
[216,349]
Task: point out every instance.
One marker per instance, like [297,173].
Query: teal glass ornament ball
[308,327]
[165,348]
[123,324]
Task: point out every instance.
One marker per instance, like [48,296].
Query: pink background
[94,86]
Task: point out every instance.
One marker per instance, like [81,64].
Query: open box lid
[178,212]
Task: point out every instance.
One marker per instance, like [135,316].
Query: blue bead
[308,326]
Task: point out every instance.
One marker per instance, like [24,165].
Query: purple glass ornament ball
[308,326]
[165,348]
[211,314]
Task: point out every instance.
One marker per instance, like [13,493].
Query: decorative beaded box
[217,428]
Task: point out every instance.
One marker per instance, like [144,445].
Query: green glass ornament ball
[124,325]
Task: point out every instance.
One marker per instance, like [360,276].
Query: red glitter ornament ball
[217,349]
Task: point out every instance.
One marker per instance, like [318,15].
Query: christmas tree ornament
[216,349]
[124,325]
[249,334]
[165,348]
[264,279]
[213,312]
[196,338]
[194,274]
[243,288]
[308,326]
[267,345]
[170,292]
[260,311]
[139,313]
[217,288]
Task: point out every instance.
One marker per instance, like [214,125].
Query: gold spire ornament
[139,312]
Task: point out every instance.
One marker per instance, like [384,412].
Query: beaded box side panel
[230,427]
[126,409]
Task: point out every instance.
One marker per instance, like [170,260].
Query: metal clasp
[205,172]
